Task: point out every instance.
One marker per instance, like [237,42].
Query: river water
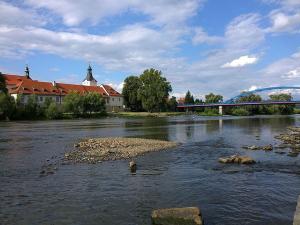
[190,175]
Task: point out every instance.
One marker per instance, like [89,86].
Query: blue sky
[221,46]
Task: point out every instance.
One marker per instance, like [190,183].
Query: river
[190,175]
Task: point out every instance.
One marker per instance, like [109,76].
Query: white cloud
[292,74]
[202,37]
[240,62]
[14,16]
[284,22]
[117,87]
[160,11]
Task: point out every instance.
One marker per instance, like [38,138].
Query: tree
[212,98]
[53,111]
[130,93]
[93,102]
[7,106]
[252,109]
[189,98]
[73,103]
[32,109]
[172,104]
[154,90]
[282,109]
[198,101]
[3,88]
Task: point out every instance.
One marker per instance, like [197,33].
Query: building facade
[24,86]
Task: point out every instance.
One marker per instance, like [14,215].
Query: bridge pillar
[220,110]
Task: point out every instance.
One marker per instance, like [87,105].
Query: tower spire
[89,74]
[27,73]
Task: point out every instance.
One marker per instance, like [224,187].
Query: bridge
[232,101]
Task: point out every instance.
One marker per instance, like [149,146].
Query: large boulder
[177,216]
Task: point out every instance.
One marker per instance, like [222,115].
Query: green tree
[198,101]
[73,103]
[93,102]
[154,90]
[130,93]
[32,109]
[7,106]
[53,111]
[189,98]
[282,109]
[172,104]
[252,109]
[3,88]
[212,98]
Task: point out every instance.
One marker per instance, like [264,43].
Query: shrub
[240,112]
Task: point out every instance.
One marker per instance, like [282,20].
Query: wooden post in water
[297,214]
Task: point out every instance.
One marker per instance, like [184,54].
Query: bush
[240,112]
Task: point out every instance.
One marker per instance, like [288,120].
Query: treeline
[148,92]
[73,106]
[243,110]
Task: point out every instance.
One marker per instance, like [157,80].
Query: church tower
[27,73]
[89,79]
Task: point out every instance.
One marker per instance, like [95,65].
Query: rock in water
[177,216]
[237,159]
[268,147]
[132,166]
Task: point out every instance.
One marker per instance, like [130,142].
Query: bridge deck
[239,104]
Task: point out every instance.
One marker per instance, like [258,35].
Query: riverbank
[96,150]
[146,114]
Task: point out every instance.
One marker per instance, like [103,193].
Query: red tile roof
[23,85]
[111,91]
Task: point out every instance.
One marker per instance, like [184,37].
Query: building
[24,86]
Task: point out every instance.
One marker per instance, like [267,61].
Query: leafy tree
[172,104]
[32,109]
[53,111]
[73,103]
[198,101]
[240,112]
[47,102]
[3,88]
[252,109]
[93,102]
[130,93]
[212,98]
[7,106]
[282,109]
[189,98]
[154,90]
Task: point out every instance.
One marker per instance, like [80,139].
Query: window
[119,99]
[113,99]
[41,98]
[57,98]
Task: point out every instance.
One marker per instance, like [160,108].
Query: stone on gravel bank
[177,216]
[95,150]
[237,159]
[254,147]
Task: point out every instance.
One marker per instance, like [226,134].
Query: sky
[219,46]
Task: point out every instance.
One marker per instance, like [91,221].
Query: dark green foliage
[7,106]
[93,103]
[73,103]
[189,98]
[130,93]
[3,88]
[154,90]
[282,109]
[240,112]
[198,101]
[212,98]
[172,104]
[53,111]
[252,109]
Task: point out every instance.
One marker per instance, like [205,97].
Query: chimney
[54,83]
